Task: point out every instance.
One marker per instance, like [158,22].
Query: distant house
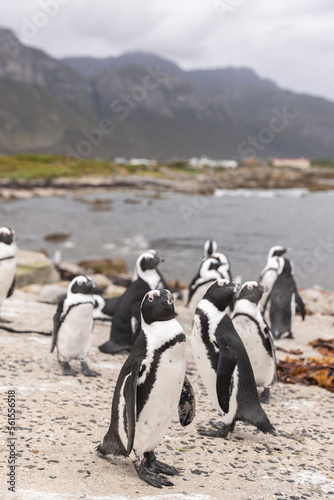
[252,161]
[142,161]
[120,160]
[291,162]
[204,161]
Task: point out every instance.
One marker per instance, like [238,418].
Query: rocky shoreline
[169,179]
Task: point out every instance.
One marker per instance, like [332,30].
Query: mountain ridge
[140,104]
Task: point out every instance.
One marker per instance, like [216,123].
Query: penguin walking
[223,362]
[73,326]
[150,388]
[7,264]
[125,324]
[256,336]
[281,304]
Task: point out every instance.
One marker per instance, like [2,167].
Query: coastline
[205,182]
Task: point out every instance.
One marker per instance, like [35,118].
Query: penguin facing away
[282,301]
[256,336]
[7,264]
[223,363]
[73,326]
[151,387]
[125,324]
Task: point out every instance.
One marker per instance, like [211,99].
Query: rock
[103,283]
[318,300]
[51,294]
[34,267]
[57,237]
[108,267]
[68,270]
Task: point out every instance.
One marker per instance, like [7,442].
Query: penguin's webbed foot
[222,429]
[154,465]
[265,396]
[88,372]
[290,336]
[151,478]
[67,370]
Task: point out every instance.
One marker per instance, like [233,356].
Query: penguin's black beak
[7,239]
[237,287]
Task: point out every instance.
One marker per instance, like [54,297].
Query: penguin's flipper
[187,403]
[226,364]
[12,288]
[57,323]
[130,396]
[110,306]
[300,306]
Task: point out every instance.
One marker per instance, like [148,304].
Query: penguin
[280,306]
[211,269]
[7,264]
[73,326]
[125,324]
[256,336]
[223,363]
[269,273]
[151,387]
[162,283]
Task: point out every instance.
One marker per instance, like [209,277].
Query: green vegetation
[25,167]
[32,166]
[323,163]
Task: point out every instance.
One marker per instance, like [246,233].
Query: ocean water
[245,223]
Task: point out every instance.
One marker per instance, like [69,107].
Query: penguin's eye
[80,281]
[152,294]
[150,298]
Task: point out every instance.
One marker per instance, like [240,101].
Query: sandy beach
[60,420]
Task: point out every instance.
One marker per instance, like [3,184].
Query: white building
[291,162]
[204,161]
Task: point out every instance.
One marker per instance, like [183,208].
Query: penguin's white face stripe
[6,230]
[250,285]
[152,294]
[223,282]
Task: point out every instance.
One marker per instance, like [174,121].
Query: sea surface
[245,223]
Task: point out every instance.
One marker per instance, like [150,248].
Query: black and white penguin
[208,273]
[223,363]
[7,264]
[151,387]
[269,273]
[162,283]
[73,326]
[280,306]
[256,336]
[125,324]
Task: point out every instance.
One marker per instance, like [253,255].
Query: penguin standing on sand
[7,264]
[269,273]
[73,326]
[150,388]
[256,336]
[281,304]
[125,324]
[223,362]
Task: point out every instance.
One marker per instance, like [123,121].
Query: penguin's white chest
[7,274]
[75,334]
[262,363]
[163,400]
[204,366]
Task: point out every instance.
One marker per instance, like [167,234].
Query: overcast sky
[291,42]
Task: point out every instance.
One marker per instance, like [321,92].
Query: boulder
[108,267]
[34,267]
[318,300]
